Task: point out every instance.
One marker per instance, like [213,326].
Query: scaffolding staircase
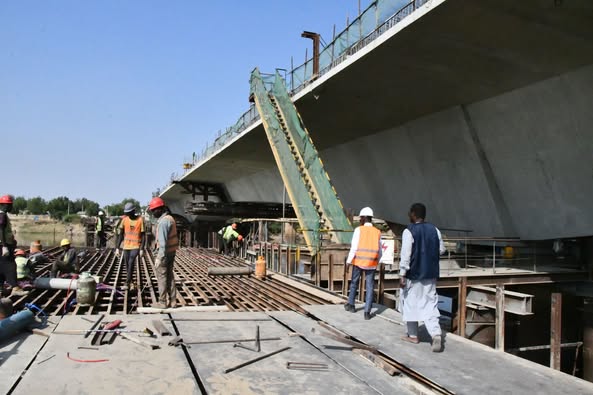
[314,199]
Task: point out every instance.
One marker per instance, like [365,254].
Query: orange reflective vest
[133,229]
[367,253]
[172,239]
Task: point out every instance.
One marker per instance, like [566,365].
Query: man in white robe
[422,245]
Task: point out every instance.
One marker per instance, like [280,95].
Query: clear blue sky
[105,99]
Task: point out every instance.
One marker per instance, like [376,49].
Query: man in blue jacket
[422,245]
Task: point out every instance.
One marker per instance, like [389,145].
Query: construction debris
[255,360]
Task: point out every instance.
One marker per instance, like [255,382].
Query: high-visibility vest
[99,227]
[133,229]
[230,233]
[8,233]
[367,253]
[172,239]
[22,267]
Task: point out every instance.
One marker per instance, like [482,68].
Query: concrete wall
[264,186]
[519,164]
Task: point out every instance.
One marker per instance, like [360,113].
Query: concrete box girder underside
[455,55]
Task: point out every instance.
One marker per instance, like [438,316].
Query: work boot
[367,315]
[411,339]
[159,305]
[124,287]
[18,291]
[350,308]
[437,344]
[132,286]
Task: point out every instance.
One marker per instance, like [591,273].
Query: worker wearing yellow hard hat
[67,262]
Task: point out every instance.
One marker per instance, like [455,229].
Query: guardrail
[303,73]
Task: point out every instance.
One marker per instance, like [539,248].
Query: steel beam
[514,302]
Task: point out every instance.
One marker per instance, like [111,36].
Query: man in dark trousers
[422,245]
[167,243]
[131,231]
[365,254]
[7,247]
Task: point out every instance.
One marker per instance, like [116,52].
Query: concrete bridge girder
[491,127]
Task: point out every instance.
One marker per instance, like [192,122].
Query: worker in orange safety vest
[365,253]
[131,232]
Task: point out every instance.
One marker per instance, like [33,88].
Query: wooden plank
[556,330]
[375,378]
[130,369]
[461,306]
[266,376]
[484,370]
[327,296]
[499,341]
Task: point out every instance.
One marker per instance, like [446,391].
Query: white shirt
[355,241]
[406,251]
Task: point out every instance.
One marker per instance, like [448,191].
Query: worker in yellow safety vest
[131,231]
[101,237]
[227,235]
[167,243]
[365,253]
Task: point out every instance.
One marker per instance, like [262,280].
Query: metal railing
[251,116]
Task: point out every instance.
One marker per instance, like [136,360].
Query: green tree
[88,206]
[59,207]
[117,209]
[37,205]
[19,205]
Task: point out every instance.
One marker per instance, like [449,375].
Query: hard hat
[129,207]
[64,242]
[101,212]
[234,225]
[240,238]
[156,202]
[19,252]
[6,199]
[366,212]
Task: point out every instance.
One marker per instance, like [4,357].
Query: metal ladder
[313,197]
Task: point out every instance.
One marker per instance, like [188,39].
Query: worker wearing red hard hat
[167,243]
[7,244]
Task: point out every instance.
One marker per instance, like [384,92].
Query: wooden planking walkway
[268,376]
[17,353]
[465,367]
[378,381]
[131,369]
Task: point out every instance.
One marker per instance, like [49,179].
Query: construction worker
[36,255]
[24,269]
[419,270]
[131,231]
[101,238]
[365,253]
[7,244]
[67,262]
[167,243]
[228,236]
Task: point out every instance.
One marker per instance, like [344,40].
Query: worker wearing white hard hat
[100,235]
[364,256]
